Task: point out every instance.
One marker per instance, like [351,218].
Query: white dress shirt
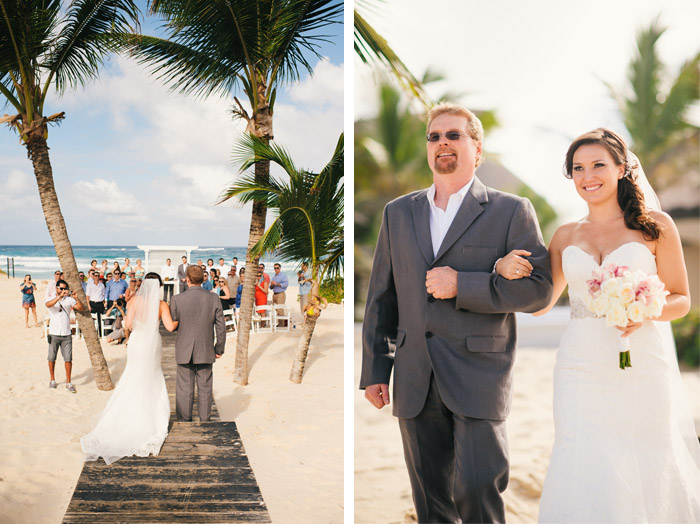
[169,271]
[59,314]
[440,221]
[95,292]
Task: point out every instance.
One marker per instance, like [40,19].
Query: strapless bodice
[578,267]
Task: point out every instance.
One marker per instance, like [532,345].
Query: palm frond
[87,38]
[250,150]
[371,47]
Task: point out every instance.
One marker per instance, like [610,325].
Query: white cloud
[105,197]
[324,87]
[17,191]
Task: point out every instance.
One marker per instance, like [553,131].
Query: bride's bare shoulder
[562,237]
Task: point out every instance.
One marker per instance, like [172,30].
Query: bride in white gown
[625,448]
[135,420]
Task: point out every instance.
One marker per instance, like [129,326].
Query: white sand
[293,434]
[382,489]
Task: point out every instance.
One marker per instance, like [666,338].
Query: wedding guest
[115,289]
[104,267]
[83,284]
[60,308]
[51,288]
[118,314]
[262,287]
[233,280]
[279,284]
[127,267]
[222,267]
[304,278]
[239,289]
[200,263]
[131,290]
[169,274]
[234,263]
[224,293]
[93,265]
[207,283]
[95,294]
[115,267]
[139,270]
[210,265]
[28,301]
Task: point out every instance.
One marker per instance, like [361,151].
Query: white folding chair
[231,322]
[283,316]
[107,325]
[263,321]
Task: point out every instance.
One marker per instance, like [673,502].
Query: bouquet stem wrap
[625,361]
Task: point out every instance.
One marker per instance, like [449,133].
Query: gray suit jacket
[467,341]
[199,313]
[181,272]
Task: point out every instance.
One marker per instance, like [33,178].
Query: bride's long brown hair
[630,197]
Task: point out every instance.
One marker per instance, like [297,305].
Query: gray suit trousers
[458,465]
[184,391]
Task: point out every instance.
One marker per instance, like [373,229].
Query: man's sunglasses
[453,136]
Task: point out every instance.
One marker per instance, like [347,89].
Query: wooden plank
[201,474]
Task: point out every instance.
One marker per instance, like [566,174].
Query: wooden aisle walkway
[202,474]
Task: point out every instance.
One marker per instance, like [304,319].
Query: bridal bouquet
[623,296]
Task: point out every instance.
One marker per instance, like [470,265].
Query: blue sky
[134,163]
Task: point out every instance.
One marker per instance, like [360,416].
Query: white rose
[600,305]
[636,311]
[626,292]
[616,315]
[655,307]
[610,286]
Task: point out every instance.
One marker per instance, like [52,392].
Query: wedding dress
[625,448]
[135,420]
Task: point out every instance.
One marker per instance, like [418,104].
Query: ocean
[41,261]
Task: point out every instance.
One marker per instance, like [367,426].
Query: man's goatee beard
[446,169]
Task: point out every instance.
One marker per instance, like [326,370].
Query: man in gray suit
[443,319]
[199,313]
[182,274]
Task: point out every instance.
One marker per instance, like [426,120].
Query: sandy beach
[293,434]
[382,490]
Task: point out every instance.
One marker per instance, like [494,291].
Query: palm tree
[309,218]
[44,49]
[656,116]
[216,46]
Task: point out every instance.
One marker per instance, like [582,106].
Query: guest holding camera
[59,308]
[28,301]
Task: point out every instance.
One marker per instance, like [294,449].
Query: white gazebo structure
[155,257]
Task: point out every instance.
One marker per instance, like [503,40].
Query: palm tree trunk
[257,228]
[38,152]
[302,350]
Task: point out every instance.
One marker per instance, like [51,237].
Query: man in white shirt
[51,288]
[95,293]
[169,274]
[59,308]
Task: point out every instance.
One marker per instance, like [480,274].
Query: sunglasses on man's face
[452,136]
[62,288]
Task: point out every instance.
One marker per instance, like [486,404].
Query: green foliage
[655,109]
[546,215]
[686,332]
[333,289]
[309,206]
